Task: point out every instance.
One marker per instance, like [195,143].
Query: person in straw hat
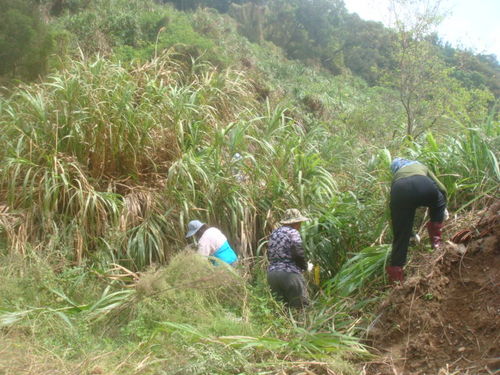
[287,261]
[211,242]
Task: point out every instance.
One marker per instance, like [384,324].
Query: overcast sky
[471,24]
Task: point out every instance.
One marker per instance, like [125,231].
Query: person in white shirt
[211,242]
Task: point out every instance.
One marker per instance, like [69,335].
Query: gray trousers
[289,287]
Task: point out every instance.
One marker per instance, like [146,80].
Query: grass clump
[189,317]
[191,290]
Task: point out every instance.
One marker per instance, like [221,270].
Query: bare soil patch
[445,318]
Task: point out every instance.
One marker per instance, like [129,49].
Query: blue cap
[193,227]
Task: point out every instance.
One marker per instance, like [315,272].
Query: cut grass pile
[187,317]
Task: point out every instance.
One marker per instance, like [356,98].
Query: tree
[322,19]
[428,89]
[251,19]
[420,76]
[367,47]
[220,5]
[284,29]
[308,30]
[24,40]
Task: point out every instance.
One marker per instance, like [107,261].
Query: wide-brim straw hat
[193,227]
[292,215]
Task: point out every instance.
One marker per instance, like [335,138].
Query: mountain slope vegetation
[138,116]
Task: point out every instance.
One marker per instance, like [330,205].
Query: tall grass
[107,162]
[79,149]
[75,145]
[467,164]
[82,146]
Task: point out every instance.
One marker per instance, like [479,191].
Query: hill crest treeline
[318,32]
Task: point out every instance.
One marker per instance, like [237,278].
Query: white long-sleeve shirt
[211,241]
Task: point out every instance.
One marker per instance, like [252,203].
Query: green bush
[25,41]
[139,30]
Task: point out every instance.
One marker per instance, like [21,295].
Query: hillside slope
[445,318]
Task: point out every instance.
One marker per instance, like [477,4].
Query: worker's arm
[439,184]
[205,246]
[298,251]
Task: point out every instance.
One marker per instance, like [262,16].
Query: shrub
[25,41]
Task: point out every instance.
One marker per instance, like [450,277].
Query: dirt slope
[445,318]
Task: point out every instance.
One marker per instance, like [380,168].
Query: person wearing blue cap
[413,186]
[211,242]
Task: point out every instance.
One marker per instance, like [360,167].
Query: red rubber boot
[434,230]
[395,274]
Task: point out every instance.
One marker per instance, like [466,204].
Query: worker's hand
[414,239]
[310,266]
[446,214]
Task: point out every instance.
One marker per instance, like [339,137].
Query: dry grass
[21,356]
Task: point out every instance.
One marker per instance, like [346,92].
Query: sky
[470,24]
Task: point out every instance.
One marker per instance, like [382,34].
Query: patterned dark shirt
[285,251]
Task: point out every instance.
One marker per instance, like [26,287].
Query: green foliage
[367,48]
[307,31]
[475,71]
[220,5]
[192,291]
[360,269]
[59,7]
[335,232]
[203,316]
[176,32]
[25,41]
[110,124]
[108,159]
[468,164]
[108,24]
[428,93]
[138,30]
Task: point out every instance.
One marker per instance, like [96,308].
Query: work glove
[446,214]
[310,266]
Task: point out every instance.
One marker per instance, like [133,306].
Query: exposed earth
[445,317]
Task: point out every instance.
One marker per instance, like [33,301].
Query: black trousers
[289,287]
[407,194]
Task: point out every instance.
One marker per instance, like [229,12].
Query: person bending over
[413,186]
[211,242]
